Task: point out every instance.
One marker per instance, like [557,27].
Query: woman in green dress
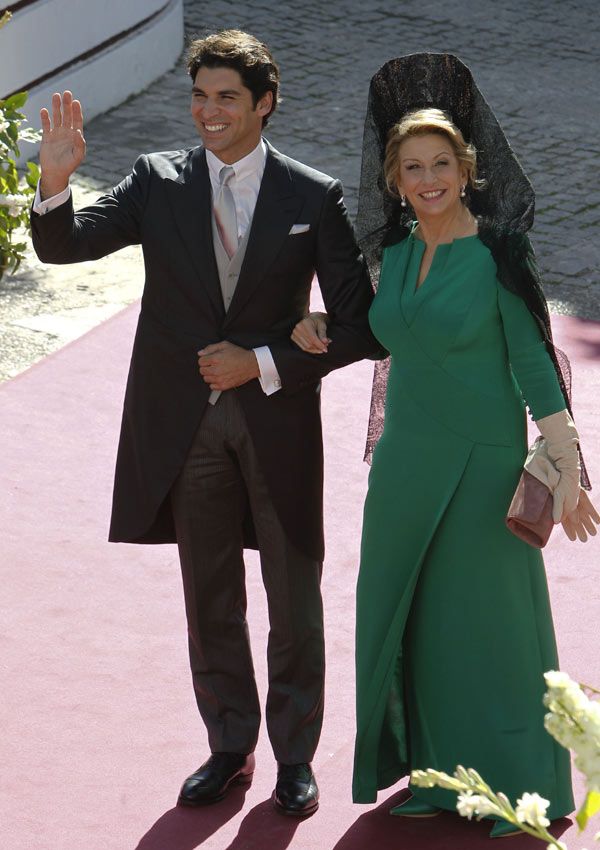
[454,629]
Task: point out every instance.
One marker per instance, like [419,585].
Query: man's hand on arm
[63,146]
[224,365]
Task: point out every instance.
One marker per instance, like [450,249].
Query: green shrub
[16,192]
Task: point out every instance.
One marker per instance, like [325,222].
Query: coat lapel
[277,207]
[190,197]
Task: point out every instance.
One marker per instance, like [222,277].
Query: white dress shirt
[245,183]
[245,186]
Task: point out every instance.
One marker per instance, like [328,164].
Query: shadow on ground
[187,828]
[448,831]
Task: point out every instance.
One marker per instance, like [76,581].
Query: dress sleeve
[530,362]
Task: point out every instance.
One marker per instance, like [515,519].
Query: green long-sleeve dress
[454,629]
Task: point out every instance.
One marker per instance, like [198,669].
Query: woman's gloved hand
[583,520]
[561,442]
[310,334]
[538,464]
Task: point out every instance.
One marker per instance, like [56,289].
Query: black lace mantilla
[504,206]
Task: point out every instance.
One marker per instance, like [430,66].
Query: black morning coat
[165,205]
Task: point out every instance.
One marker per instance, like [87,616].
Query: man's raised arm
[59,234]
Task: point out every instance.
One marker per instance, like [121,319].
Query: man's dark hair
[245,54]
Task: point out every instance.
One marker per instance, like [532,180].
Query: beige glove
[583,520]
[538,464]
[559,447]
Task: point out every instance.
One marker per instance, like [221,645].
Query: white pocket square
[299,228]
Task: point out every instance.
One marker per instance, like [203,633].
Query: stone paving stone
[534,60]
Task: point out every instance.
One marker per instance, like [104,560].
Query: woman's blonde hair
[421,122]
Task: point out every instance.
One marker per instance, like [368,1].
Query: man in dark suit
[220,444]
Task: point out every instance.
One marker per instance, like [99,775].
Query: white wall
[45,35]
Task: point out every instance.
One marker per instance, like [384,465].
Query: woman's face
[430,174]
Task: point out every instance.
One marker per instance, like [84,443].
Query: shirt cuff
[42,207]
[269,376]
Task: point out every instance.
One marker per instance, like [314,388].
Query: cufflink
[277,383]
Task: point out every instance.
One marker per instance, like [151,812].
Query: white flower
[445,781]
[574,721]
[486,807]
[462,775]
[14,203]
[562,729]
[474,777]
[531,809]
[468,804]
[591,720]
[557,679]
[590,767]
[563,693]
[4,125]
[430,777]
[561,844]
[422,779]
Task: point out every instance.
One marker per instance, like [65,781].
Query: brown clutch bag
[530,513]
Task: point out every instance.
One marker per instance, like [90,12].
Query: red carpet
[99,725]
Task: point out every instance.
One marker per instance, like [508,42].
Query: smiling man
[220,443]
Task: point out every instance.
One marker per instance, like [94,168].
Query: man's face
[224,114]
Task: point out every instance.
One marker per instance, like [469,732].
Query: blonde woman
[454,629]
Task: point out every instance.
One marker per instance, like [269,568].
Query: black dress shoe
[296,792]
[211,781]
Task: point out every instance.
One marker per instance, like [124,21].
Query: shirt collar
[252,163]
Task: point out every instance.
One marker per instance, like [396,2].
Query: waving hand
[63,146]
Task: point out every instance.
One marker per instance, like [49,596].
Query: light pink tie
[224,210]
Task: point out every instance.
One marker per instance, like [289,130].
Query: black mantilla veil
[504,206]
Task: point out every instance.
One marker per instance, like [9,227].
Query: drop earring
[462,192]
[402,200]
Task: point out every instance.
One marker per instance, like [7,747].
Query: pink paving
[99,725]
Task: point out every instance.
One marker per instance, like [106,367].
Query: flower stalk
[476,798]
[573,719]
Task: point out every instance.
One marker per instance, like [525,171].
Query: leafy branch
[16,192]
